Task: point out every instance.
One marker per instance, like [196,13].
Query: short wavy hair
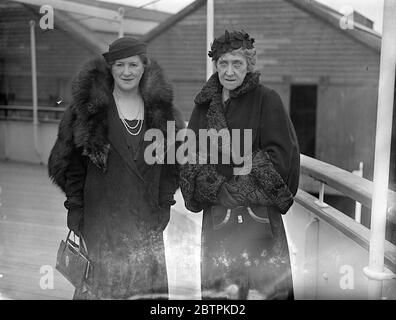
[249,54]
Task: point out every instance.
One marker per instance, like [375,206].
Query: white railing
[25,113]
[323,223]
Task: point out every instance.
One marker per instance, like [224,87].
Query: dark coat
[122,197]
[242,248]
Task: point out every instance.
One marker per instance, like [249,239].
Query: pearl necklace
[139,123]
[129,128]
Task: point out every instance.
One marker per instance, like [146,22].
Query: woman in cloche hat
[117,201]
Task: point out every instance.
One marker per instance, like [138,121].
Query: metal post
[321,193]
[382,151]
[358,205]
[34,86]
[320,202]
[209,35]
[34,70]
[121,12]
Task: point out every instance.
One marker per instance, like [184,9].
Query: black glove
[246,190]
[163,219]
[227,198]
[75,220]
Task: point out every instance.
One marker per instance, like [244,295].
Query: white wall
[17,140]
[326,264]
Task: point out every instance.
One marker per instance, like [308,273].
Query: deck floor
[33,222]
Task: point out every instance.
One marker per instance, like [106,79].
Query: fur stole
[84,124]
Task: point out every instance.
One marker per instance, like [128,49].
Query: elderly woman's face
[232,69]
[127,73]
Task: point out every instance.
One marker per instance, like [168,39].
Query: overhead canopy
[98,22]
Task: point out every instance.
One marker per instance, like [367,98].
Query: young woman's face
[232,69]
[127,73]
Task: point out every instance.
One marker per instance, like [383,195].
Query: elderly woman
[244,246]
[116,200]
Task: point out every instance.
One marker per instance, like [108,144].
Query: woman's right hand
[75,219]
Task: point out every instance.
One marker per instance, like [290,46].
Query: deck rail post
[121,13]
[358,205]
[375,270]
[209,35]
[320,202]
[34,87]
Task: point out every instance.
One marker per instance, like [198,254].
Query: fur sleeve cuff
[207,184]
[188,174]
[271,182]
[199,184]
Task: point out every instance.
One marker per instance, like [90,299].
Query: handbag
[72,262]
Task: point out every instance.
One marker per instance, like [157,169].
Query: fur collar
[91,97]
[211,94]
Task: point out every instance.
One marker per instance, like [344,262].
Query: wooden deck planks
[32,223]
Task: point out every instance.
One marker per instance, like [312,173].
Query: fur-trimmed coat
[122,197]
[241,248]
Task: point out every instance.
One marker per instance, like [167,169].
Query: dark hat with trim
[228,42]
[124,47]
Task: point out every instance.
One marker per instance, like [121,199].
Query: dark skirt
[245,255]
[125,265]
